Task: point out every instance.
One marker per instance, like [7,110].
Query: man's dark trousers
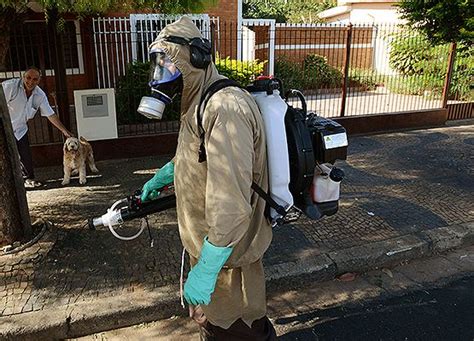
[26,159]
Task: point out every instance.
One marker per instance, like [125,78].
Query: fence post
[59,68]
[449,74]
[212,36]
[346,69]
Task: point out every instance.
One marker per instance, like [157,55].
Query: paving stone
[27,308]
[8,311]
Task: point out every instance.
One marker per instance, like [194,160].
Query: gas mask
[166,81]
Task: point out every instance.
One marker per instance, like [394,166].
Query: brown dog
[77,152]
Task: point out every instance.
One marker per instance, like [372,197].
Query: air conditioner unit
[95,114]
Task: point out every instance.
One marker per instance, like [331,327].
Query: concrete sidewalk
[406,195]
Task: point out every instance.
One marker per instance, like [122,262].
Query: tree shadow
[288,243]
[84,262]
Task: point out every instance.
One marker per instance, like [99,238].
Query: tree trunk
[15,224]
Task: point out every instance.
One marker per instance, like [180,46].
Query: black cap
[336,174]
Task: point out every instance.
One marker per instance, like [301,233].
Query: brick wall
[226,10]
[295,43]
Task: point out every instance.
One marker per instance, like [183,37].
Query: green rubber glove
[203,276]
[163,176]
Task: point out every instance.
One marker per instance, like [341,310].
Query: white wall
[382,46]
[380,13]
[363,12]
[248,44]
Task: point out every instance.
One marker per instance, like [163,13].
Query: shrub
[413,54]
[422,64]
[243,72]
[129,90]
[289,72]
[314,73]
[462,84]
[318,73]
[366,78]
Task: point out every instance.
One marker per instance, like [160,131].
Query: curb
[116,312]
[85,318]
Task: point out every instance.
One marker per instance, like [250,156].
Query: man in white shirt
[24,98]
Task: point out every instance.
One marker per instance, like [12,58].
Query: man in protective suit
[221,219]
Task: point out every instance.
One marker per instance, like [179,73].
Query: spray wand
[132,207]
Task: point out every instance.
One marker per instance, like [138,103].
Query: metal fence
[342,70]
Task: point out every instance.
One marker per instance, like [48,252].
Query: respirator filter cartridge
[151,107]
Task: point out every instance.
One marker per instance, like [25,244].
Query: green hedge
[243,72]
[312,74]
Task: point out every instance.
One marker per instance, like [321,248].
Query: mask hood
[195,80]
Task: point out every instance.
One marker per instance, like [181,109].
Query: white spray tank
[273,109]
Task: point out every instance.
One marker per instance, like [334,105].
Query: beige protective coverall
[214,198]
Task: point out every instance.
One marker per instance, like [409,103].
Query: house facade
[362,11]
[381,15]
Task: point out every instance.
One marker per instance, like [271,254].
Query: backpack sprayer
[132,207]
[302,149]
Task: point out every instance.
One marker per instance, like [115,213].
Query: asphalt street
[439,314]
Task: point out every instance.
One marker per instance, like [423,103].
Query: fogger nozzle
[112,217]
[131,208]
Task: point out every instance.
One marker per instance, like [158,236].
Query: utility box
[95,114]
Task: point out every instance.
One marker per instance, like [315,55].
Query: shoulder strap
[211,90]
